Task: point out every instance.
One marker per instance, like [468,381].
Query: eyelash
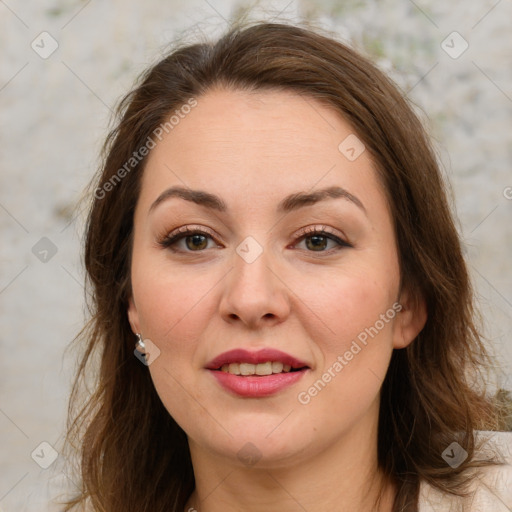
[169,240]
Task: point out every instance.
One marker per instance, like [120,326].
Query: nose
[254,293]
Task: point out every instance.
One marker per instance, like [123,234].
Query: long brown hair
[132,454]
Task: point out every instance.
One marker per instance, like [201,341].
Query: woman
[270,237]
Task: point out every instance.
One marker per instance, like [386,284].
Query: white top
[491,490]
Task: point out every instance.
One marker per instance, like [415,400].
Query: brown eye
[316,243]
[187,240]
[317,240]
[196,241]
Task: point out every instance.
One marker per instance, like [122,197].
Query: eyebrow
[289,203]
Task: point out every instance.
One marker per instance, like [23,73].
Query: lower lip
[257,386]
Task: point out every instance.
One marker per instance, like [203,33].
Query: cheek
[356,347]
[351,304]
[170,303]
[355,354]
[174,309]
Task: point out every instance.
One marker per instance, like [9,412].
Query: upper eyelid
[319,227]
[191,227]
[300,233]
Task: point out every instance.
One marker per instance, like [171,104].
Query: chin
[263,443]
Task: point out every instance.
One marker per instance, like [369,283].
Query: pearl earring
[140,344]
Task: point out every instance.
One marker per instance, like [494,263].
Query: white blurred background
[55,110]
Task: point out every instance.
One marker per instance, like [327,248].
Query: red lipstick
[256,386]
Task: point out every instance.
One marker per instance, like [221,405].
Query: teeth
[267,368]
[277,367]
[234,368]
[264,368]
[247,368]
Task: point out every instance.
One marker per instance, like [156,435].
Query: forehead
[271,122]
[262,145]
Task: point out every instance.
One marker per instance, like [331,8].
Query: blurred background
[66,63]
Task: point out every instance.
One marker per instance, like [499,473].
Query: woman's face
[269,333]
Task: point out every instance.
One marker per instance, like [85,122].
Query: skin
[252,149]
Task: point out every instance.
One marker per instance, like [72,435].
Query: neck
[344,477]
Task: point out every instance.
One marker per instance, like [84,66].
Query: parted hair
[131,455]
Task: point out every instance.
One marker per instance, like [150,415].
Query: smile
[268,368]
[256,374]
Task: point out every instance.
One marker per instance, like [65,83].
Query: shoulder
[491,489]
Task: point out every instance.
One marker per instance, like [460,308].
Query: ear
[410,320]
[133,316]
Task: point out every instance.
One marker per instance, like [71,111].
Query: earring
[140,344]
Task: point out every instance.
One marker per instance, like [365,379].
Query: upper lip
[263,355]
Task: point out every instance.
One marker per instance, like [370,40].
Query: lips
[256,374]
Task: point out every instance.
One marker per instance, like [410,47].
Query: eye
[317,240]
[196,240]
